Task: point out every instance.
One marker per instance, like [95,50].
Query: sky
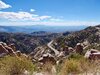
[49,12]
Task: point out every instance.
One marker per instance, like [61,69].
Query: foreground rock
[9,50]
[92,54]
[79,48]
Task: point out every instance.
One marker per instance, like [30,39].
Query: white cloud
[17,18]
[22,16]
[68,23]
[44,17]
[32,10]
[56,19]
[4,5]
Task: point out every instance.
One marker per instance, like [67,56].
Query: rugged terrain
[88,36]
[27,42]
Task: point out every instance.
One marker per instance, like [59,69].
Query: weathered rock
[10,51]
[12,46]
[92,54]
[3,49]
[79,48]
[7,49]
[70,49]
[47,58]
[18,53]
[65,50]
[87,54]
[94,51]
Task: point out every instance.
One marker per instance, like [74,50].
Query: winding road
[53,49]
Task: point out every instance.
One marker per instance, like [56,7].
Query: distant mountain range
[27,42]
[36,28]
[27,38]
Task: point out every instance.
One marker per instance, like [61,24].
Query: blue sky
[49,12]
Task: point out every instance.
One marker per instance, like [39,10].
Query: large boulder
[3,49]
[47,58]
[79,48]
[65,50]
[92,54]
[12,46]
[71,49]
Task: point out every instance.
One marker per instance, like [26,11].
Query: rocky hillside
[27,42]
[75,42]
[88,36]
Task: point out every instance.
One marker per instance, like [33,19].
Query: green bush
[15,66]
[75,56]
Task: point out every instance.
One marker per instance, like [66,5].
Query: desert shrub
[75,56]
[70,66]
[47,67]
[79,66]
[15,66]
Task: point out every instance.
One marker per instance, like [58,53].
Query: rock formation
[9,50]
[47,58]
[79,48]
[92,54]
[3,49]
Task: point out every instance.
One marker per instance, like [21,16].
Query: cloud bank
[22,16]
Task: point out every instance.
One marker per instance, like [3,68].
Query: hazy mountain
[36,28]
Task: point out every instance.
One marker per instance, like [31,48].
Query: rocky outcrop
[12,46]
[3,49]
[79,48]
[9,50]
[47,58]
[92,54]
